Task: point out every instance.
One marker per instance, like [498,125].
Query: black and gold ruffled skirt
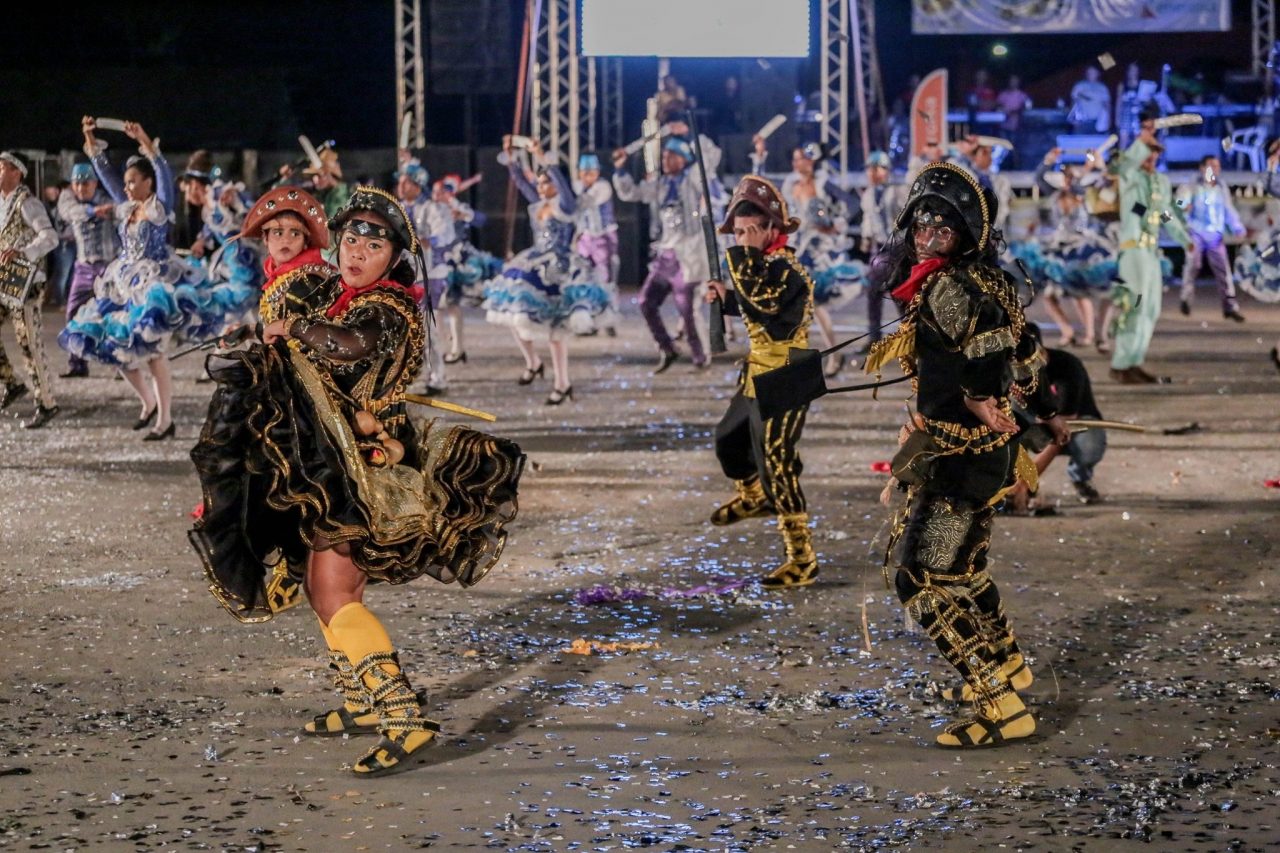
[281,470]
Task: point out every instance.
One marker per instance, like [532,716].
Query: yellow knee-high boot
[750,502]
[355,716]
[404,729]
[801,567]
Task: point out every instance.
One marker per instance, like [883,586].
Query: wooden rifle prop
[1038,436]
[449,407]
[237,335]
[311,158]
[715,334]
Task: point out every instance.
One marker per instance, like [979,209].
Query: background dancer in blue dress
[597,227]
[468,267]
[547,286]
[234,267]
[147,299]
[1076,257]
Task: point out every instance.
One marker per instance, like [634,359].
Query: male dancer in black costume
[773,294]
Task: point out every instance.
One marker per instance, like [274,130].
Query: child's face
[285,237]
[195,192]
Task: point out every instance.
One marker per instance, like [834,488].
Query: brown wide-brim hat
[300,203]
[761,194]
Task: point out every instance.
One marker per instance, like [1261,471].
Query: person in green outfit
[1146,203]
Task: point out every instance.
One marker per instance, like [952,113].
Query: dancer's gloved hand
[988,411]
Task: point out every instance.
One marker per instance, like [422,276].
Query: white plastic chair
[1246,145]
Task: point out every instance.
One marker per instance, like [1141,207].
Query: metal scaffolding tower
[563,113]
[867,81]
[612,131]
[834,82]
[576,100]
[848,31]
[1264,39]
[410,91]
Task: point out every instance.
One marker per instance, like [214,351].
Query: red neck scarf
[343,302]
[906,291]
[779,243]
[274,270]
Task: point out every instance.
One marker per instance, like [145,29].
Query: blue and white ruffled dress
[547,286]
[235,267]
[147,300]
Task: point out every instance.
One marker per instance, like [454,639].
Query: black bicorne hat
[958,188]
[374,200]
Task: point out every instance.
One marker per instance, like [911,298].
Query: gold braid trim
[408,355]
[274,303]
[986,343]
[408,220]
[961,439]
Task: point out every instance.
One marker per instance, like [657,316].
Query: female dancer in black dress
[308,457]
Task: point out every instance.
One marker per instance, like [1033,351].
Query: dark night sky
[251,74]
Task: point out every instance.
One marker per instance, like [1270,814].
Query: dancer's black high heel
[528,376]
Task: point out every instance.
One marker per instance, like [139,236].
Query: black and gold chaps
[749,446]
[943,581]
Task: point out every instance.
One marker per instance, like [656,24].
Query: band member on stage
[308,457]
[147,298]
[963,338]
[548,286]
[25,233]
[773,294]
[679,263]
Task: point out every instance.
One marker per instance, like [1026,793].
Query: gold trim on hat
[977,188]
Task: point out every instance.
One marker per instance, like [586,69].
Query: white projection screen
[707,28]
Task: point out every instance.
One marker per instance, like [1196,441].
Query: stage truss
[577,101]
[410,91]
[1264,40]
[847,33]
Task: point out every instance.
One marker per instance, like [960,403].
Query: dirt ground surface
[138,715]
